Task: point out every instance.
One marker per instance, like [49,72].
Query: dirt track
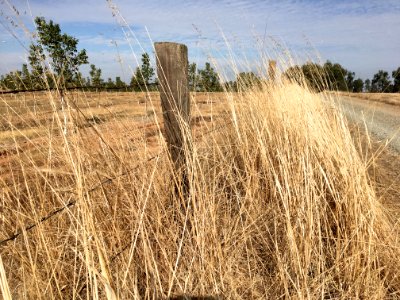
[382,120]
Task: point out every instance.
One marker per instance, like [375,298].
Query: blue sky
[364,36]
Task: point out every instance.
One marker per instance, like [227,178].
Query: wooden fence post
[172,71]
[272,70]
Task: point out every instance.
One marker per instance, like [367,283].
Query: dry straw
[280,206]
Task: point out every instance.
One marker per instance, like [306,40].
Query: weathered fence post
[272,70]
[172,71]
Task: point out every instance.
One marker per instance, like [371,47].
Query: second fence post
[172,72]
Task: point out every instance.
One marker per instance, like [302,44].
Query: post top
[170,44]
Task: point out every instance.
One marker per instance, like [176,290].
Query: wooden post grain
[172,71]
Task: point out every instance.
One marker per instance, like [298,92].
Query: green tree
[315,76]
[193,77]
[380,82]
[78,80]
[294,74]
[329,76]
[311,75]
[37,63]
[137,82]
[245,80]
[230,86]
[26,77]
[119,83]
[338,78]
[2,83]
[110,84]
[396,80]
[10,81]
[61,49]
[95,76]
[147,71]
[209,81]
[358,85]
[143,74]
[13,80]
[350,80]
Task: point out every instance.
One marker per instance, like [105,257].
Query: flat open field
[29,120]
[27,115]
[26,118]
[284,201]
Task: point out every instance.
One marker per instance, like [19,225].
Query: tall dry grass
[280,206]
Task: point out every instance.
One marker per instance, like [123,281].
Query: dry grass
[388,98]
[25,115]
[280,205]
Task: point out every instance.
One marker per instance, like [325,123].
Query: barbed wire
[73,202]
[126,246]
[92,189]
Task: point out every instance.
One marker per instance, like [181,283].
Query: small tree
[119,83]
[16,80]
[209,80]
[358,85]
[381,82]
[396,80]
[315,76]
[143,74]
[95,76]
[10,81]
[193,77]
[147,71]
[294,75]
[36,61]
[26,77]
[246,80]
[338,78]
[350,80]
[61,49]
[137,82]
[110,84]
[79,80]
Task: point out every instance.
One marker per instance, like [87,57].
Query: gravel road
[382,120]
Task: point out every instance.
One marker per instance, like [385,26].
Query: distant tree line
[332,76]
[54,62]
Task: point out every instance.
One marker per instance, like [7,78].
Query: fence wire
[92,189]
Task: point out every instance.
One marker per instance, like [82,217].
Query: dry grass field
[27,115]
[282,201]
[388,98]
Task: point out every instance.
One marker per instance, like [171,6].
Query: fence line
[132,240]
[175,102]
[92,189]
[72,202]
